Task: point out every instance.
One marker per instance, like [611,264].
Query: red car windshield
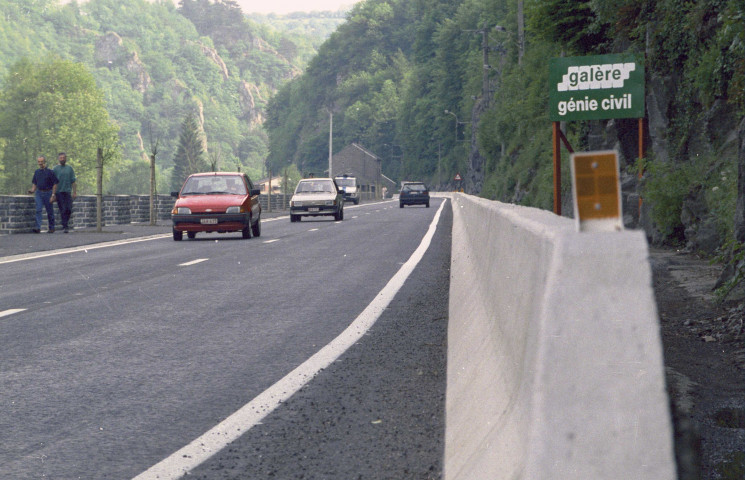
[214,185]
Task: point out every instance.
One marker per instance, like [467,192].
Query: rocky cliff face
[248,93]
[713,132]
[110,52]
[717,132]
[212,54]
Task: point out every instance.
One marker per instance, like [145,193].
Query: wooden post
[285,181]
[269,193]
[99,188]
[153,215]
[557,168]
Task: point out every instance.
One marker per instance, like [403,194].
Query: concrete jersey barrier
[555,364]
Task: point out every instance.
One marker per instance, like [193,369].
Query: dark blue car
[413,193]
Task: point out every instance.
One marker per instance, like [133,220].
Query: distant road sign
[596,87]
[457,177]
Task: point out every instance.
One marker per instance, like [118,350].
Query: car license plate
[208,221]
[313,209]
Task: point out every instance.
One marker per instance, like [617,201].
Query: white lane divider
[272,241]
[201,449]
[83,248]
[11,311]
[193,262]
[95,246]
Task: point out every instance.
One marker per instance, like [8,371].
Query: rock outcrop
[111,53]
[212,54]
[247,98]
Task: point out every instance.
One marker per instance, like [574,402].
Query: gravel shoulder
[704,355]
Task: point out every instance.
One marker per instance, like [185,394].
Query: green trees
[50,106]
[189,156]
[389,73]
[155,61]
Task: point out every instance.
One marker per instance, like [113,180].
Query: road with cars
[273,357]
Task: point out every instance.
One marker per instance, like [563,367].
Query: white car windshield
[315,187]
[346,182]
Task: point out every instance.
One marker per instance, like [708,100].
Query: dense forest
[439,87]
[124,75]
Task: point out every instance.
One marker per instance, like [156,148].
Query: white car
[315,197]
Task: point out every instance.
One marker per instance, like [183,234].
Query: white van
[350,187]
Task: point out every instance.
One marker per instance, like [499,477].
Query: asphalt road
[112,359]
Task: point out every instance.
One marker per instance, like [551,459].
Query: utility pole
[439,160]
[331,143]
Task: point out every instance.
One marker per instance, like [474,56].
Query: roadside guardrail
[555,367]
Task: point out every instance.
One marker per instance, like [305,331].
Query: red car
[216,202]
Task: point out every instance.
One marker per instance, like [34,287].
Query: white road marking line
[313,230]
[201,449]
[272,241]
[84,248]
[193,262]
[94,246]
[11,311]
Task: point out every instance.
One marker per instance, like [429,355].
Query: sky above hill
[282,7]
[289,6]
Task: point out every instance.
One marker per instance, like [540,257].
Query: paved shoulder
[24,243]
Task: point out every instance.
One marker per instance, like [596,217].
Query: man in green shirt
[67,189]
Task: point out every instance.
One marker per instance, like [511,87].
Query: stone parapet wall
[279,202]
[17,212]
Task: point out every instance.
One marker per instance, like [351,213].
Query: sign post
[594,87]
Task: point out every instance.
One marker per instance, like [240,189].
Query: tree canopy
[51,106]
[156,62]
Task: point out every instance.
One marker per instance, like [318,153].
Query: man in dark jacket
[44,186]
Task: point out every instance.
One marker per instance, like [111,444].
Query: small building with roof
[355,160]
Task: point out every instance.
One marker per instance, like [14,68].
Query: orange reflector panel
[597,191]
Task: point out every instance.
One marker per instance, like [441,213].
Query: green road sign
[596,87]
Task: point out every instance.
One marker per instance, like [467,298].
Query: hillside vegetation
[433,87]
[414,82]
[148,65]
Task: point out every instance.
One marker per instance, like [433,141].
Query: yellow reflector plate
[597,191]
